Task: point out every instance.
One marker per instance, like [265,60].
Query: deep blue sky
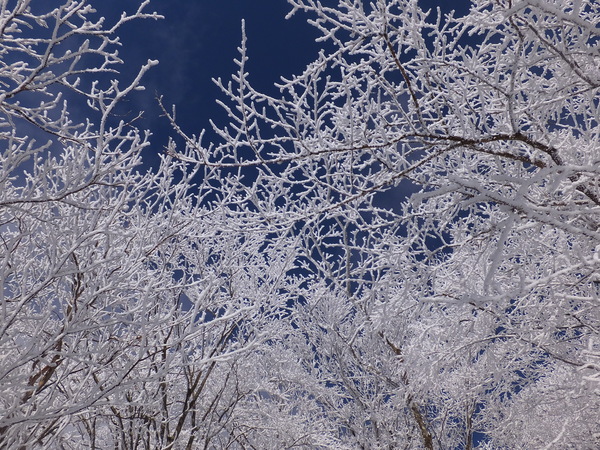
[198,40]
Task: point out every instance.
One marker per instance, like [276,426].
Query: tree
[128,306]
[398,251]
[441,174]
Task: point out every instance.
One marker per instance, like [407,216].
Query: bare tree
[441,175]
[127,305]
[399,251]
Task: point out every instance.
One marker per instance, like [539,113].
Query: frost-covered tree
[128,307]
[398,251]
[441,177]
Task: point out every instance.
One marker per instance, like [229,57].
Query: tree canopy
[399,250]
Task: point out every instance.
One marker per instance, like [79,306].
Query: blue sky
[198,40]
